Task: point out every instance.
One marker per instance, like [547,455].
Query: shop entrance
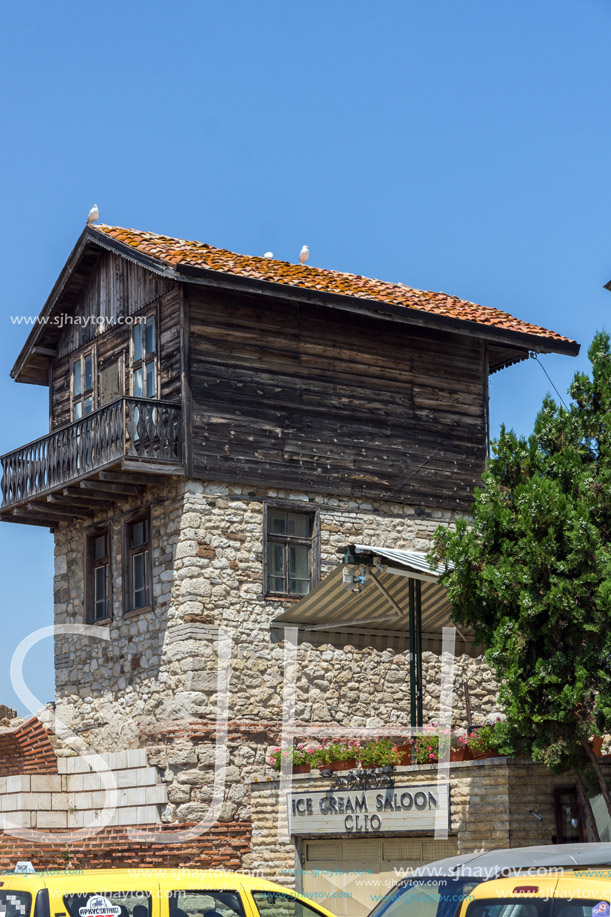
[350,875]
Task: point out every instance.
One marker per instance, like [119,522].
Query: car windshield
[435,897]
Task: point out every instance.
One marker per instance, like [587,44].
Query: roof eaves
[89,236]
[53,297]
[373,307]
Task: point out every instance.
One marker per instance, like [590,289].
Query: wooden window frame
[313,542]
[79,357]
[129,519]
[156,359]
[90,566]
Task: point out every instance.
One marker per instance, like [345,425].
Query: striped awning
[382,606]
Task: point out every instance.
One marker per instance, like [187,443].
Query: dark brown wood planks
[303,398]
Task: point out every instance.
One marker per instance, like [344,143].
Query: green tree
[531,574]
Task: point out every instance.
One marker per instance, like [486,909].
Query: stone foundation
[208,572]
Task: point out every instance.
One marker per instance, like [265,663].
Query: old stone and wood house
[221,426]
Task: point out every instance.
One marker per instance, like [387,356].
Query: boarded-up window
[110,387]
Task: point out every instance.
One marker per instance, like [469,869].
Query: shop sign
[395,809]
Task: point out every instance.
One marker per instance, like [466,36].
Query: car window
[15,904]
[282,904]
[109,904]
[512,907]
[435,897]
[200,903]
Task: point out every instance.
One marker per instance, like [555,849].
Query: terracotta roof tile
[199,254]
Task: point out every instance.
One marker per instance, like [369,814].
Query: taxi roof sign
[24,867]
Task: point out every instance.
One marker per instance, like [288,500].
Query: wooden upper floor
[164,357]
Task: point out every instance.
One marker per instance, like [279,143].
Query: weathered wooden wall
[299,397]
[119,288]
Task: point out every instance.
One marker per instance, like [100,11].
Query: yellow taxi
[561,893]
[179,892]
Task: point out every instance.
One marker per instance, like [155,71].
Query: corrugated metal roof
[407,560]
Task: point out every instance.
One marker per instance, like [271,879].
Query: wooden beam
[56,512]
[90,496]
[19,518]
[122,490]
[45,351]
[114,477]
[154,467]
[79,500]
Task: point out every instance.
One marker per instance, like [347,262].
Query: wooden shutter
[110,387]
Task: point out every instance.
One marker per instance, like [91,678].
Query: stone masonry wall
[159,667]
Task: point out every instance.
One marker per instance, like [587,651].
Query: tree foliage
[531,571]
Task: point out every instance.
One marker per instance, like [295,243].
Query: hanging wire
[535,356]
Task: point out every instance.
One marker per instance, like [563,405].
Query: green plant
[530,573]
[426,747]
[459,741]
[339,750]
[378,753]
[495,737]
[296,756]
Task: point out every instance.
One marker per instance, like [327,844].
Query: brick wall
[26,749]
[223,847]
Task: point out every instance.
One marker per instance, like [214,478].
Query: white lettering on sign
[398,809]
[98,906]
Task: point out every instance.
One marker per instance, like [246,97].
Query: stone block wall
[74,796]
[159,668]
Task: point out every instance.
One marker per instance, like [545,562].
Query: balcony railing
[148,431]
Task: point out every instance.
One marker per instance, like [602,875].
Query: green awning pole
[413,704]
[418,649]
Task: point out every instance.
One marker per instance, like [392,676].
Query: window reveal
[137,562]
[144,359]
[98,576]
[82,385]
[289,545]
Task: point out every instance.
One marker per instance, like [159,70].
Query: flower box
[345,765]
[461,754]
[405,754]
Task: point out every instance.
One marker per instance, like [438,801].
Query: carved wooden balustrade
[149,431]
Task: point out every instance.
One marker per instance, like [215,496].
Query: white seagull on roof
[304,254]
[94,214]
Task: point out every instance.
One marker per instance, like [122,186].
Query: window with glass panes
[98,575]
[137,559]
[82,385]
[144,358]
[289,551]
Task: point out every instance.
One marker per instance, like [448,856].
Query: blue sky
[451,146]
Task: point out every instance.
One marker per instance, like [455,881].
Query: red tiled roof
[198,254]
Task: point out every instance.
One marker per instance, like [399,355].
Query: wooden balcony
[88,465]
